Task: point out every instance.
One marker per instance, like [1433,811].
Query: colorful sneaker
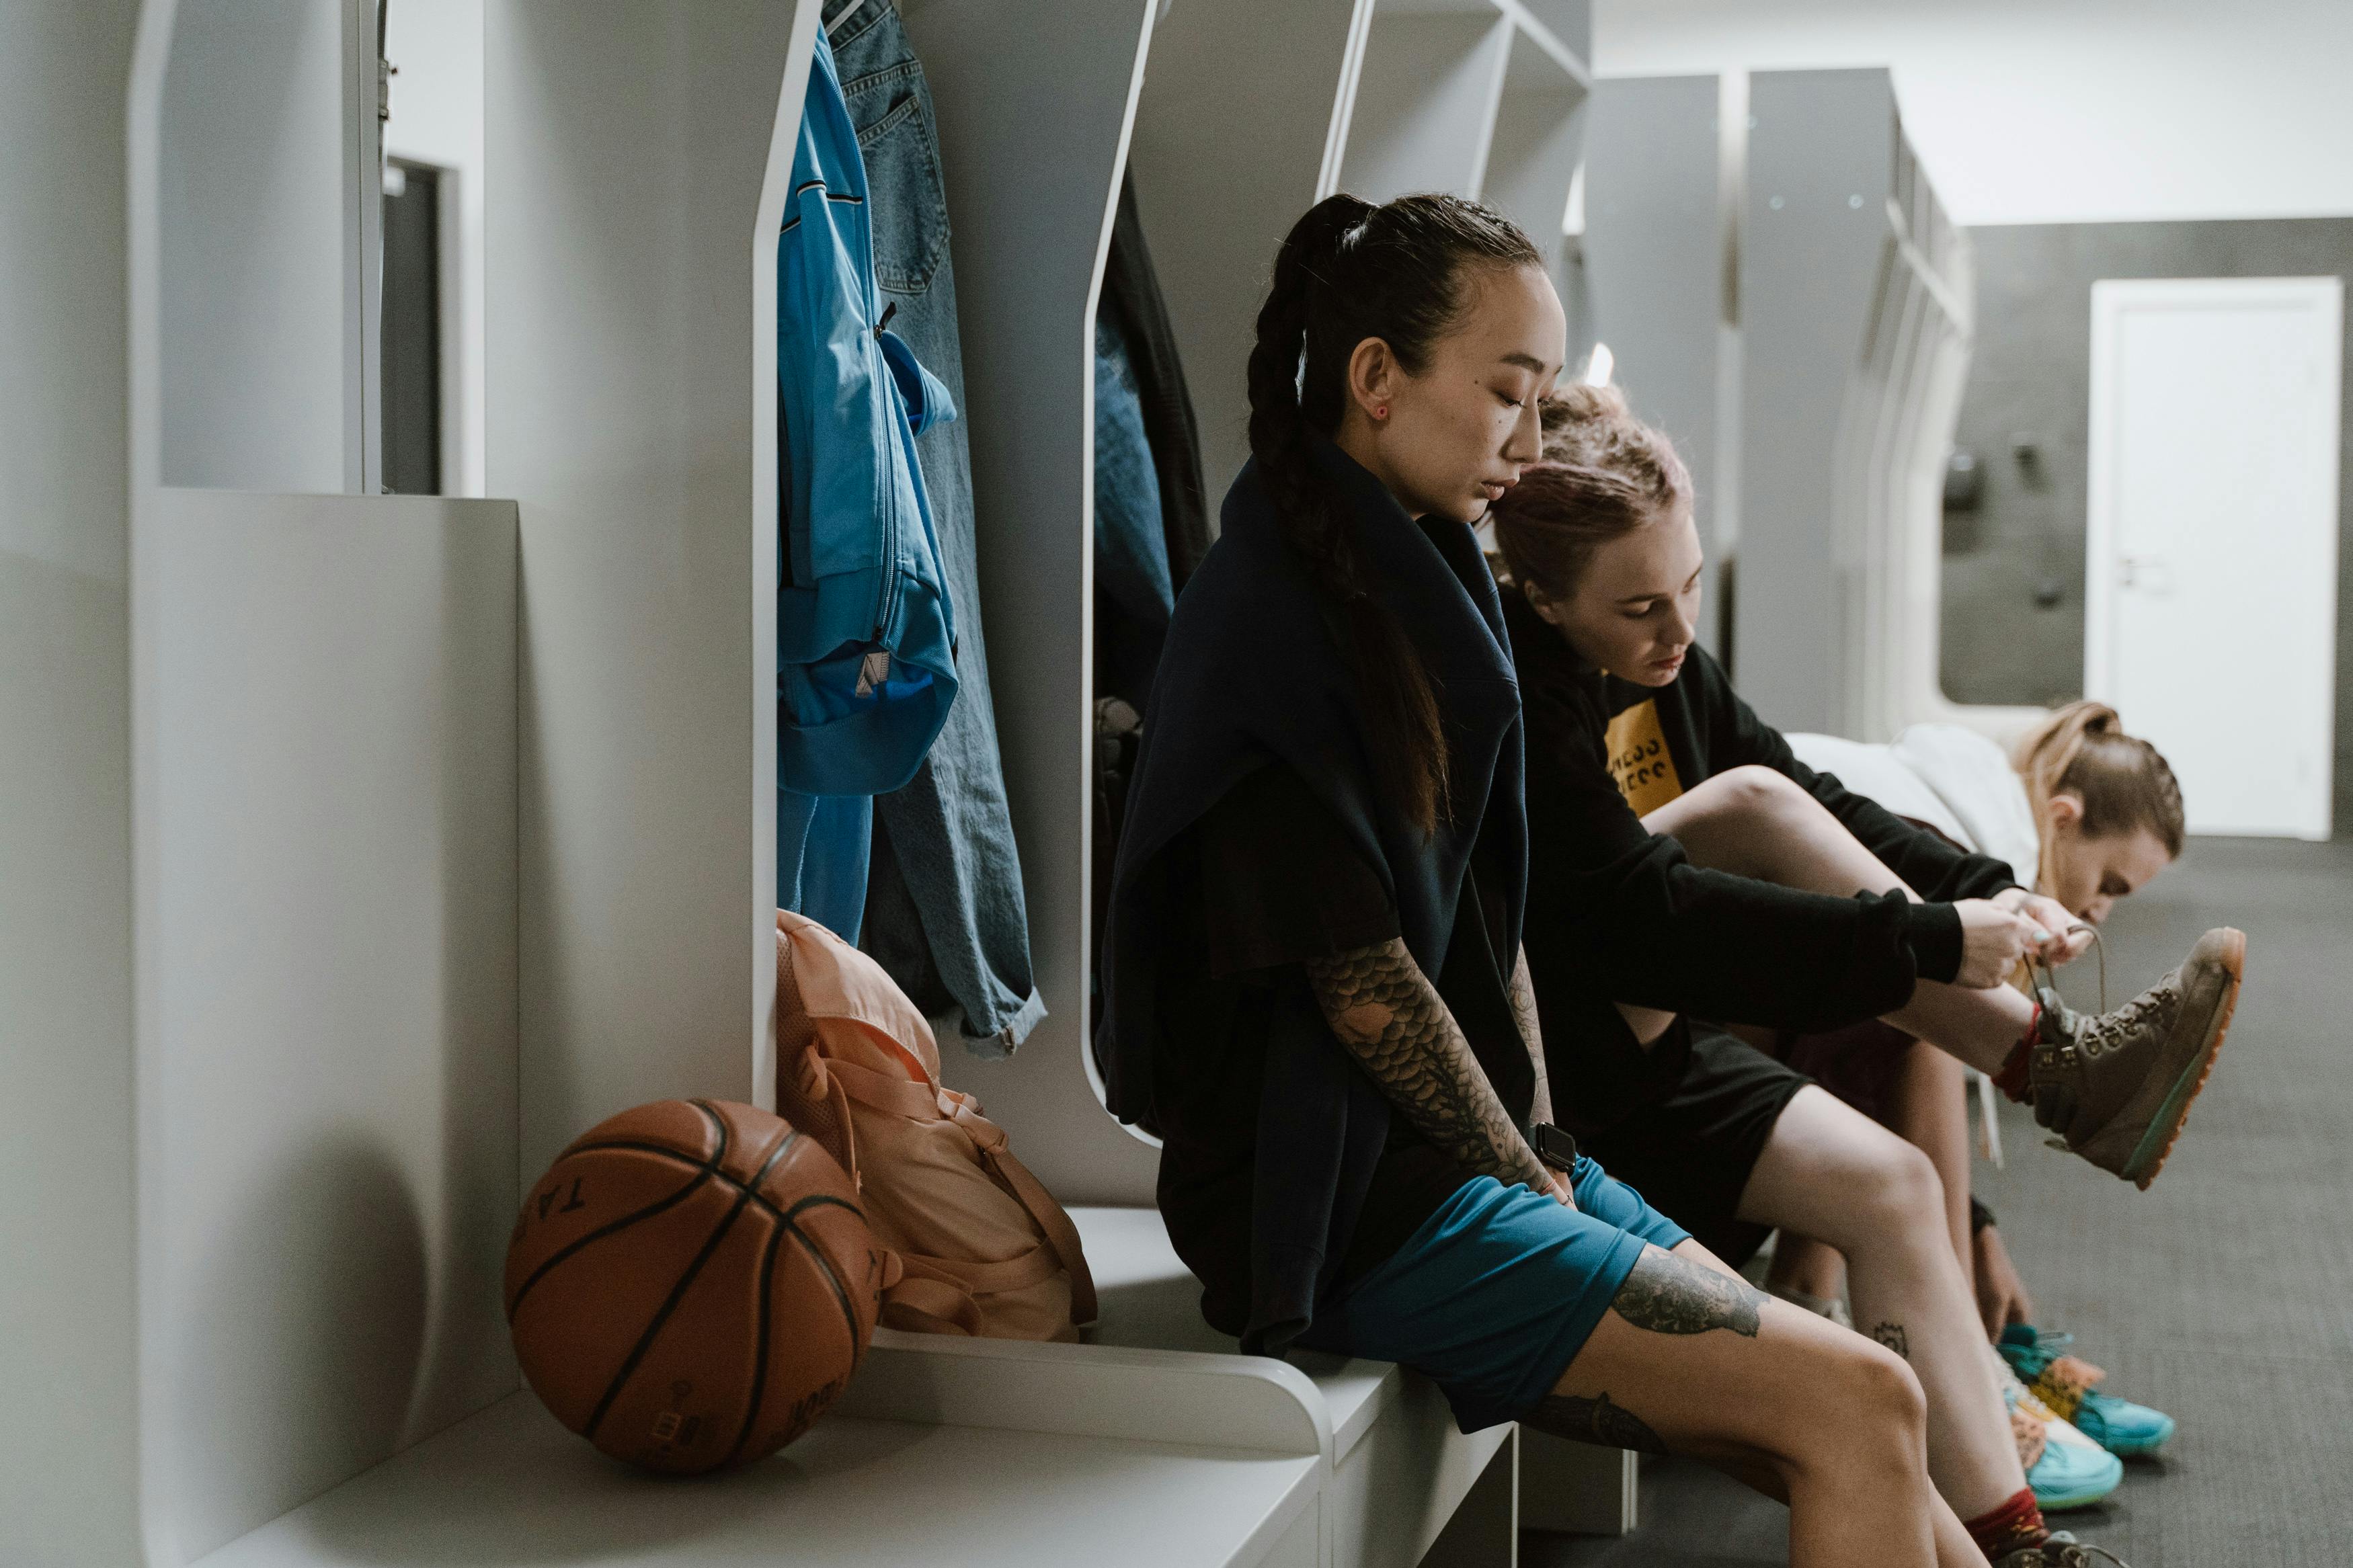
[2065,1468]
[2066,1383]
[2060,1551]
[2117,1086]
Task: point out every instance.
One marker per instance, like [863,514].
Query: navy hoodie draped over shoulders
[1255,672]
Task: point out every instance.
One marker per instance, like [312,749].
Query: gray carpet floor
[2224,1295]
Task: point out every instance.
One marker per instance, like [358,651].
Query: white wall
[67,1497]
[324,745]
[640,151]
[436,118]
[260,363]
[2039,111]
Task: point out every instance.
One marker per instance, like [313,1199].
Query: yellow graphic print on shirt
[1640,763]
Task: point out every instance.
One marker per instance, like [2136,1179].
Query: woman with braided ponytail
[2083,813]
[1313,989]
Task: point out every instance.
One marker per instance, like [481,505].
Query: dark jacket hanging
[1132,290]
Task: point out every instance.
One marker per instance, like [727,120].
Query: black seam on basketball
[762,1199]
[678,1291]
[718,1126]
[651,1209]
[706,1171]
[760,1343]
[840,1292]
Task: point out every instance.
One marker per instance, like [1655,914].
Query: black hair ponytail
[1349,270]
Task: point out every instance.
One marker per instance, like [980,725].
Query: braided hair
[1347,271]
[2125,783]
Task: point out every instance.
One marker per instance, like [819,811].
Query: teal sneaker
[2066,1383]
[2064,1469]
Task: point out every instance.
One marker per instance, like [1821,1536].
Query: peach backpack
[982,1249]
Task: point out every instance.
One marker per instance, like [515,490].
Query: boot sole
[2155,1145]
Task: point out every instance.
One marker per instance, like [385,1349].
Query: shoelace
[2039,968]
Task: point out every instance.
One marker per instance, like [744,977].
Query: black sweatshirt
[1615,913]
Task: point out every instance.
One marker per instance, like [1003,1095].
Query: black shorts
[1690,1154]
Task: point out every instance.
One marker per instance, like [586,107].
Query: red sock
[2011,1078]
[2015,1524]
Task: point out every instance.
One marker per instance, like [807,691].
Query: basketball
[691,1284]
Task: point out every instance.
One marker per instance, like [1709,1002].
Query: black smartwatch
[1554,1146]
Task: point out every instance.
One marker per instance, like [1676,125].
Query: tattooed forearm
[1594,1421]
[1668,1296]
[1390,1018]
[1524,1010]
[1893,1336]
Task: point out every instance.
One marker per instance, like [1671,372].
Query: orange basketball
[691,1284]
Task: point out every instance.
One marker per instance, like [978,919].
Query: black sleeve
[1281,883]
[1616,910]
[1930,866]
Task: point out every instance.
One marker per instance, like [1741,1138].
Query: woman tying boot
[1688,910]
[1311,977]
[2087,815]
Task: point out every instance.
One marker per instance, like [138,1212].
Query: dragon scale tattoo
[1390,1018]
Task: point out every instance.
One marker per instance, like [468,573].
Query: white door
[2210,602]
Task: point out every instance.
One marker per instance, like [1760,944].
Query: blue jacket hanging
[865,634]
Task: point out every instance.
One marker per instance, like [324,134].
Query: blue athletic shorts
[1495,1294]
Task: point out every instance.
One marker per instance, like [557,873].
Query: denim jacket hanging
[865,632]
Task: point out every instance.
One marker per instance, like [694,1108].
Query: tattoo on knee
[1595,1421]
[1668,1295]
[1892,1335]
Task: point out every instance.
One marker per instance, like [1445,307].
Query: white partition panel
[1655,244]
[1856,304]
[1539,137]
[1426,99]
[324,767]
[1213,237]
[638,152]
[268,215]
[1048,90]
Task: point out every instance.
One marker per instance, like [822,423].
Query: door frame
[2112,299]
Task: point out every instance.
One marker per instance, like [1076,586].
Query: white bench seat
[510,1487]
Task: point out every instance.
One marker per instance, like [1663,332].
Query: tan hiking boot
[2118,1087]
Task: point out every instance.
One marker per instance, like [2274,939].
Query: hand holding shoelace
[2065,936]
[1994,942]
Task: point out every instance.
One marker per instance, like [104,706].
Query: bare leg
[1932,1114]
[1695,1362]
[1834,1173]
[1754,822]
[1808,1267]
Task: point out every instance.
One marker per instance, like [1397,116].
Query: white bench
[1157,1445]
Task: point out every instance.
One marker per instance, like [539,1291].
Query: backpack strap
[922,1102]
[942,1303]
[917,1101]
[1061,1233]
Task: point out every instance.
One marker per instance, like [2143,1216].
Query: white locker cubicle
[1784,295]
[452,821]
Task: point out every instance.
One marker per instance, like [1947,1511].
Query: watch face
[1553,1146]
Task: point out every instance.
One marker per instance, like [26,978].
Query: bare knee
[1896,1189]
[1755,790]
[1873,1408]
